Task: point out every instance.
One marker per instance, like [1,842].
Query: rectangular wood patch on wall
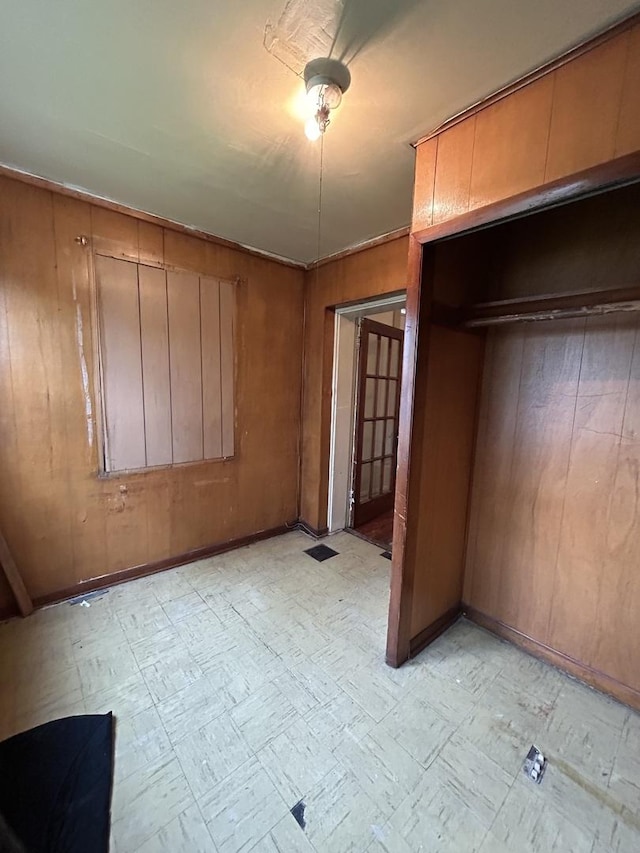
[167,365]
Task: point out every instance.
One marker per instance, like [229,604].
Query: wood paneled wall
[369,273]
[567,130]
[441,462]
[580,115]
[63,523]
[553,542]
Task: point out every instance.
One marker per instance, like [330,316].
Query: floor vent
[321,553]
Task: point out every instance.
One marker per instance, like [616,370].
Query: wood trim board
[115,578]
[600,680]
[14,579]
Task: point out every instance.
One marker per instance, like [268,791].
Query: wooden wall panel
[586,106]
[490,499]
[588,245]
[122,358]
[446,432]
[369,273]
[150,244]
[227,321]
[183,299]
[628,133]
[114,234]
[544,412]
[578,114]
[453,173]
[510,147]
[64,523]
[154,335]
[595,446]
[550,551]
[211,378]
[423,186]
[616,630]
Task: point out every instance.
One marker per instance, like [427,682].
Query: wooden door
[377,409]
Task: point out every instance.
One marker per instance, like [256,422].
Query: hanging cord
[320,206]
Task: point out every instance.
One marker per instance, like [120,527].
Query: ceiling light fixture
[326,80]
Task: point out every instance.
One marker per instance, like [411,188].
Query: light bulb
[324,94]
[312,129]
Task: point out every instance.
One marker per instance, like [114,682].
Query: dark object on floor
[55,785]
[535,764]
[321,553]
[386,555]
[298,812]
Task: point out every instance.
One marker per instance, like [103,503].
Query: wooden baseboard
[595,678]
[7,612]
[105,581]
[433,631]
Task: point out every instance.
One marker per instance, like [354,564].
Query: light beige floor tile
[480,783]
[433,818]
[140,623]
[139,741]
[104,641]
[387,839]
[419,729]
[186,833]
[285,837]
[53,689]
[455,723]
[579,799]
[191,708]
[241,810]
[620,836]
[155,648]
[449,699]
[236,679]
[147,801]
[264,715]
[107,670]
[339,721]
[296,761]
[184,607]
[585,729]
[172,585]
[124,699]
[624,783]
[529,821]
[467,670]
[503,730]
[174,672]
[211,754]
[201,627]
[338,814]
[296,692]
[384,771]
[338,658]
[373,691]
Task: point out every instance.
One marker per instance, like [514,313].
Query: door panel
[378,403]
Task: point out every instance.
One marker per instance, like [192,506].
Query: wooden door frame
[361,359]
[605,176]
[352,310]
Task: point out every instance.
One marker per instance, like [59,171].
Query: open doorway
[367,366]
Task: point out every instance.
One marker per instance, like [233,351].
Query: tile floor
[248,682]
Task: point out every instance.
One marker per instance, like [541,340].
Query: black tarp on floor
[55,786]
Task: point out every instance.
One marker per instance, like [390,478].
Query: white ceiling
[179,108]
